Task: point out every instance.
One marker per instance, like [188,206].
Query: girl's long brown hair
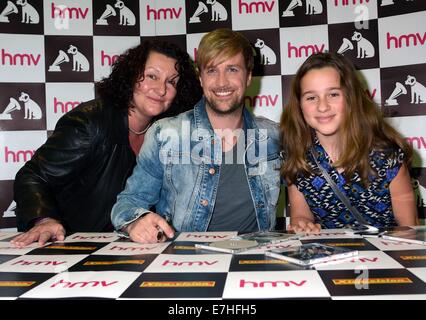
[362,130]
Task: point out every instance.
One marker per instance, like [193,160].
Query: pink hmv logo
[405,40]
[38,263]
[62,107]
[262,100]
[188,263]
[19,156]
[206,236]
[118,248]
[417,142]
[255,7]
[82,284]
[274,284]
[64,12]
[162,13]
[304,50]
[107,59]
[19,59]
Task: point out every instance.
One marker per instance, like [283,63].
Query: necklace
[138,133]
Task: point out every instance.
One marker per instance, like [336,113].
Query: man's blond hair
[223,44]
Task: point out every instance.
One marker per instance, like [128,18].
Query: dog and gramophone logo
[206,15]
[116,17]
[69,59]
[356,41]
[267,51]
[296,13]
[7,205]
[404,90]
[388,8]
[22,106]
[21,16]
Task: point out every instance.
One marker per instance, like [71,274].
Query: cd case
[415,235]
[311,253]
[228,246]
[266,237]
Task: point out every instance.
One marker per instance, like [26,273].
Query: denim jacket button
[204,203]
[212,171]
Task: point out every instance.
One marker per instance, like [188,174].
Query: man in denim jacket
[214,168]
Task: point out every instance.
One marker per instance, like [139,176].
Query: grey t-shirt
[234,210]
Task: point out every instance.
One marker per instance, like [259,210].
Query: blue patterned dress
[374,202]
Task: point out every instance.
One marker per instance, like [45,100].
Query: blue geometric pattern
[374,202]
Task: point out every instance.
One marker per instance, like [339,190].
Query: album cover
[228,246]
[266,237]
[415,235]
[311,253]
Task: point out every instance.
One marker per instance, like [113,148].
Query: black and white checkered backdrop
[52,52]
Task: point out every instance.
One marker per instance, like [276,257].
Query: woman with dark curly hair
[73,180]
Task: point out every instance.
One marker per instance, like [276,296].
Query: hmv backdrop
[53,51]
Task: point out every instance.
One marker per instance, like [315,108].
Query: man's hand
[42,232]
[151,228]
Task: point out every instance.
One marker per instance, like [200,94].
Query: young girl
[329,116]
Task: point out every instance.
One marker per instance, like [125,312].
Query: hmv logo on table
[82,284]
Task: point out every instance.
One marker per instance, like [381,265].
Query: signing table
[102,265]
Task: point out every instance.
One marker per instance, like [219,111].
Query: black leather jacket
[76,175]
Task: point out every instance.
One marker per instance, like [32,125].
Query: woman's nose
[161,89]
